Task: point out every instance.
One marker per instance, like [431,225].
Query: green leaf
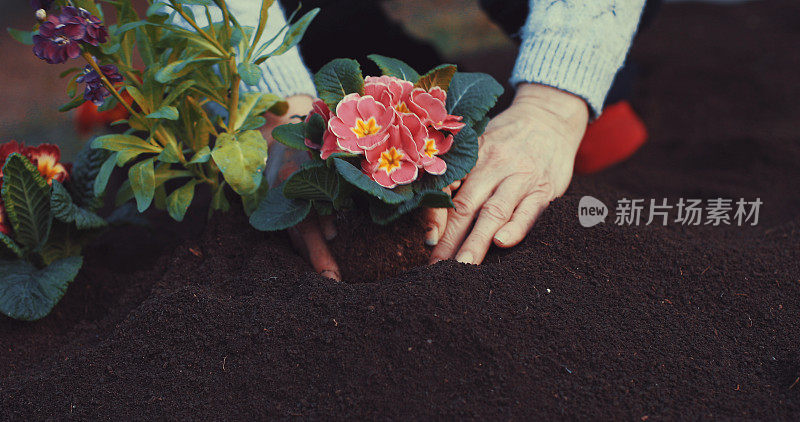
[64,241]
[315,181]
[255,104]
[75,103]
[253,123]
[250,202]
[27,200]
[170,154]
[201,156]
[218,200]
[90,6]
[85,172]
[315,129]
[101,181]
[177,91]
[29,294]
[277,212]
[180,199]
[472,95]
[24,37]
[251,74]
[165,112]
[9,248]
[292,135]
[394,67]
[66,211]
[295,33]
[360,180]
[139,98]
[143,183]
[178,69]
[262,23]
[440,76]
[337,79]
[460,159]
[163,173]
[145,47]
[119,142]
[241,159]
[130,25]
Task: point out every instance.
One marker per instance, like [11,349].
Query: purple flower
[95,91]
[41,4]
[57,42]
[60,36]
[94,32]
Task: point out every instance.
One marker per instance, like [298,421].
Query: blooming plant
[47,213]
[396,139]
[188,121]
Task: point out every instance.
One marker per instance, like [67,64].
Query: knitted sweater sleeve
[284,75]
[576,45]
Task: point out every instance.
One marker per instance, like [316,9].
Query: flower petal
[406,174]
[437,166]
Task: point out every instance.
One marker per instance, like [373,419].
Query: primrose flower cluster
[45,157]
[400,129]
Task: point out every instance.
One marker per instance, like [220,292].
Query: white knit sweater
[577,46]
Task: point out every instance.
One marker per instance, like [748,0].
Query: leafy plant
[189,123]
[396,140]
[43,226]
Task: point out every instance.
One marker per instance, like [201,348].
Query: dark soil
[612,322]
[368,253]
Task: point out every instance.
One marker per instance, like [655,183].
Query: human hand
[525,161]
[309,237]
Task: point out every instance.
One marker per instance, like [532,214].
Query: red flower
[46,158]
[7,149]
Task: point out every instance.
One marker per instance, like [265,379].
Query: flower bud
[41,15]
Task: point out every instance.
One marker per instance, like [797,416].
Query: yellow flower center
[430,148]
[49,168]
[390,160]
[402,108]
[362,129]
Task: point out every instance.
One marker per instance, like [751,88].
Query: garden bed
[623,322]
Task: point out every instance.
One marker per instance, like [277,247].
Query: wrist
[548,104]
[561,103]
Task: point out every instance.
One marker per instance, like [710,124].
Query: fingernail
[330,233]
[501,238]
[465,258]
[432,237]
[332,275]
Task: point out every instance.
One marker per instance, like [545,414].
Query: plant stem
[226,18]
[233,104]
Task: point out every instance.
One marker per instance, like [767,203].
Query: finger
[318,253]
[473,193]
[522,221]
[328,224]
[454,186]
[496,212]
[435,222]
